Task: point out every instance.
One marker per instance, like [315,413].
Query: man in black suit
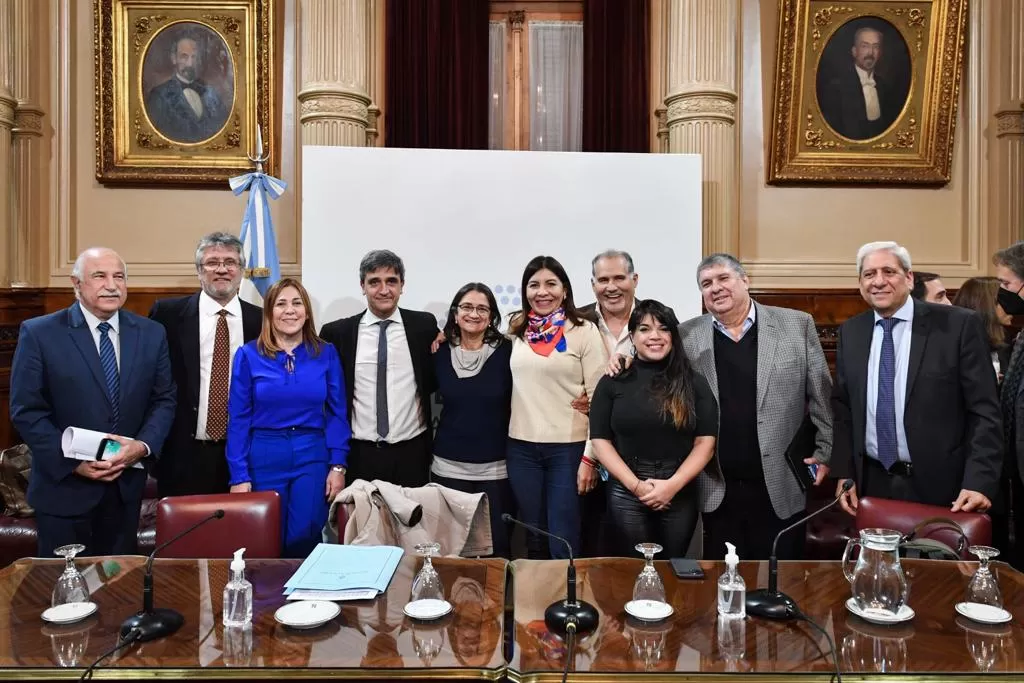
[389,375]
[184,108]
[855,101]
[203,332]
[916,407]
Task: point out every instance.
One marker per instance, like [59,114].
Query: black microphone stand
[152,623]
[569,615]
[770,603]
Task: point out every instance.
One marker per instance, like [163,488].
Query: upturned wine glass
[984,587]
[648,585]
[427,584]
[71,585]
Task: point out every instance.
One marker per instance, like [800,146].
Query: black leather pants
[630,521]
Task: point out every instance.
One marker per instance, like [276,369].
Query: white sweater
[543,387]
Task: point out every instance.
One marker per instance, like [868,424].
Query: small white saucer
[304,614]
[906,613]
[649,610]
[425,610]
[983,614]
[69,613]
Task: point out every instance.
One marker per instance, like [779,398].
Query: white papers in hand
[84,444]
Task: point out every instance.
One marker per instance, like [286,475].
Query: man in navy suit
[96,367]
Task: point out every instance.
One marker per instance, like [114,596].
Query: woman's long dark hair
[517,325]
[673,386]
[979,294]
[492,335]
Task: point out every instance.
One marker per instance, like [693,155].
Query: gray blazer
[792,378]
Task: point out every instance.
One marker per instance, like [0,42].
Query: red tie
[217,406]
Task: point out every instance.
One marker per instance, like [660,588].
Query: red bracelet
[587,460]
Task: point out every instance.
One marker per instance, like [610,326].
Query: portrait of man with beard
[185,108]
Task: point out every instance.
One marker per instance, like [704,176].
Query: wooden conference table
[373,640]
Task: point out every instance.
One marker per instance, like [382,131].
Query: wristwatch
[339,469]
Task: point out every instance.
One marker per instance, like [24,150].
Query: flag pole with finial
[262,266]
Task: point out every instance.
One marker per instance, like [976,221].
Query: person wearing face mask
[288,431]
[556,356]
[1009,263]
[475,385]
[915,402]
[654,427]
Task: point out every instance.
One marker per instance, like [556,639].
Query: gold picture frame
[866,91]
[181,87]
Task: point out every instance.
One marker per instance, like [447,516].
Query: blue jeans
[293,462]
[543,478]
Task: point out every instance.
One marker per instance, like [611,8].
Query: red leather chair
[251,521]
[902,516]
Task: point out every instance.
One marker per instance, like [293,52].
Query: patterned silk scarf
[544,333]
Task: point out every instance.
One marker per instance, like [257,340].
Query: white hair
[893,248]
[76,270]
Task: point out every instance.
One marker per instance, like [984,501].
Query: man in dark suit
[203,332]
[389,375]
[91,366]
[855,100]
[915,400]
[184,108]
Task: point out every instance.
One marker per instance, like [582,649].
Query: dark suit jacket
[173,116]
[841,98]
[57,382]
[180,318]
[420,332]
[952,415]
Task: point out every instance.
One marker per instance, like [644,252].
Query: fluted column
[701,104]
[1009,123]
[335,49]
[7,109]
[27,148]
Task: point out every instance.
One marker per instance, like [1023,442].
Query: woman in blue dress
[287,425]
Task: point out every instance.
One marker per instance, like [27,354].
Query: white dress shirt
[404,414]
[192,97]
[901,334]
[621,345]
[113,333]
[867,84]
[209,313]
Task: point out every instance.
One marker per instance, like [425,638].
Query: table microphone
[569,614]
[150,624]
[770,603]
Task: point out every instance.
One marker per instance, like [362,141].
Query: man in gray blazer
[768,372]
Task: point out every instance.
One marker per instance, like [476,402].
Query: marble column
[8,105]
[334,97]
[1009,124]
[701,106]
[27,183]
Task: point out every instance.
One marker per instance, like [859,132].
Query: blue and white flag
[262,266]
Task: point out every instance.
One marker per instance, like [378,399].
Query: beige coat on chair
[381,513]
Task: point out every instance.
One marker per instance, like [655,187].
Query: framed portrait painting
[181,87]
[866,91]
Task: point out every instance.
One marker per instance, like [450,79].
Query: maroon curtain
[616,76]
[436,73]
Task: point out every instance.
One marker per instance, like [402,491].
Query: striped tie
[108,359]
[885,408]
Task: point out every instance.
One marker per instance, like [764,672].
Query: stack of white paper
[84,444]
[344,572]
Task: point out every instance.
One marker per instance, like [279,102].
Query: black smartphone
[107,448]
[684,568]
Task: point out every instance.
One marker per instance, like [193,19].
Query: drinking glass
[984,587]
[71,585]
[648,584]
[427,584]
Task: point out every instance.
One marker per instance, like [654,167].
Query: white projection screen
[459,216]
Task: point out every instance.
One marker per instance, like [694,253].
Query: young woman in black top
[653,427]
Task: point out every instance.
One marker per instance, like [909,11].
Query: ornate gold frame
[918,147]
[129,149]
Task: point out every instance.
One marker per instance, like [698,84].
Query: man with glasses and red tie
[203,332]
[916,409]
[389,376]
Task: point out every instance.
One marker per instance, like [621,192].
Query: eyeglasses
[480,310]
[226,264]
